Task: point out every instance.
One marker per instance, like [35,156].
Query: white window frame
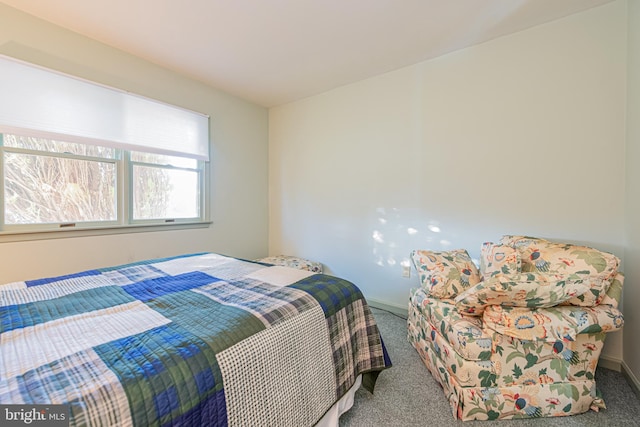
[124,222]
[200,169]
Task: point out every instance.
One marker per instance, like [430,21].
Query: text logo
[34,415]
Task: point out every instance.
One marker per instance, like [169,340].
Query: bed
[195,340]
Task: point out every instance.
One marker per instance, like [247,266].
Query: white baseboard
[610,363]
[393,308]
[631,378]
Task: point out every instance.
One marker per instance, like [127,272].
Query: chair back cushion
[577,262]
[498,259]
[445,274]
[549,257]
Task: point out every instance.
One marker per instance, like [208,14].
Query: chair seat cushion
[463,332]
[532,290]
[560,323]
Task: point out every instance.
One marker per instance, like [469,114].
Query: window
[164,187]
[74,154]
[51,184]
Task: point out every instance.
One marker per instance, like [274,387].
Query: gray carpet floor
[407,395]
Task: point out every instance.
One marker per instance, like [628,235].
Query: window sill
[23,236]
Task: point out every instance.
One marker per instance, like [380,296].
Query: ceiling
[272,52]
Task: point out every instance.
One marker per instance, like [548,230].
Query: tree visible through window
[164,187]
[55,182]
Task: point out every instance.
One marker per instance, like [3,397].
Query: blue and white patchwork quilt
[194,340]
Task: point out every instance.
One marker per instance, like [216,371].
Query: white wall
[522,134]
[632,251]
[239,165]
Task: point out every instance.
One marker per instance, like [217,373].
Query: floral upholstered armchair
[521,336]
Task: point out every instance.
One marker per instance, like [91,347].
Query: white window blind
[50,104]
